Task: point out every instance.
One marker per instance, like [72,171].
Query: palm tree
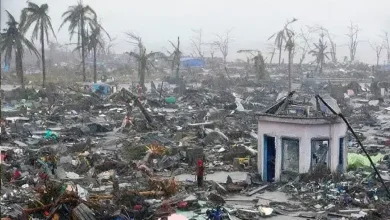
[78,16]
[280,37]
[290,47]
[319,52]
[93,42]
[143,59]
[13,40]
[38,14]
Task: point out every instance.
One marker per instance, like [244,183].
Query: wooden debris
[257,190]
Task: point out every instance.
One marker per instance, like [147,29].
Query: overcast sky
[158,21]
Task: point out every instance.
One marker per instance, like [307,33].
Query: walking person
[200,172]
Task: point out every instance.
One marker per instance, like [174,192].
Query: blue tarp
[106,88]
[6,67]
[386,67]
[191,62]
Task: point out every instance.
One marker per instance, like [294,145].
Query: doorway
[319,153]
[340,166]
[269,158]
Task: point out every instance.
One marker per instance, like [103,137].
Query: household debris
[119,156]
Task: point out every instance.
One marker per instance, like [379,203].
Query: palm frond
[326,55]
[89,9]
[48,24]
[33,6]
[30,46]
[11,18]
[23,19]
[173,45]
[67,19]
[46,30]
[272,36]
[36,29]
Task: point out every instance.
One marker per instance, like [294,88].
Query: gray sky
[253,21]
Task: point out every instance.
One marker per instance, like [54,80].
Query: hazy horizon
[253,22]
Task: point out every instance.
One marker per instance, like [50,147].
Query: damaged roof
[301,106]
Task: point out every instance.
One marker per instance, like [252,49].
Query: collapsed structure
[299,136]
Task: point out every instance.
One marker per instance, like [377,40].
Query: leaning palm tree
[13,41]
[281,37]
[320,53]
[79,16]
[38,15]
[144,60]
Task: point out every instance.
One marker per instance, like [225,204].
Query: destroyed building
[297,136]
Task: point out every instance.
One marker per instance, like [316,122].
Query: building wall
[304,130]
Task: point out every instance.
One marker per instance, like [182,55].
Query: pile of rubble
[72,154]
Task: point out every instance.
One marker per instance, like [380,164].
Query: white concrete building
[295,138]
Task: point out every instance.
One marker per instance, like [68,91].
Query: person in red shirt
[16,175]
[200,173]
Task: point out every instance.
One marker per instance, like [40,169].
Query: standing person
[140,92]
[2,127]
[200,173]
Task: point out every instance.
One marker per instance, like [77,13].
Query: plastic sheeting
[192,62]
[360,160]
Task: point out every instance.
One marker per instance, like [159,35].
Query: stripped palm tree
[144,60]
[38,15]
[13,41]
[290,47]
[320,53]
[79,16]
[281,37]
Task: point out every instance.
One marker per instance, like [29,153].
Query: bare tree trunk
[353,42]
[272,56]
[178,61]
[280,54]
[289,70]
[301,61]
[94,65]
[43,57]
[19,66]
[321,65]
[142,74]
[177,74]
[377,60]
[212,60]
[333,51]
[83,49]
[387,45]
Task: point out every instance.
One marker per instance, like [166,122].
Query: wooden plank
[257,190]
